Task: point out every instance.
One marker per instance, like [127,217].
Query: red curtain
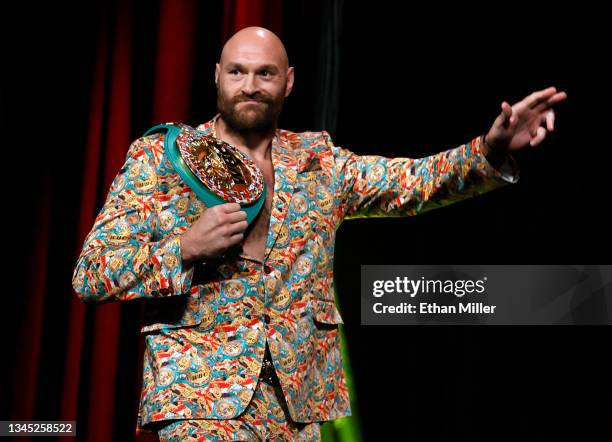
[95,333]
[239,14]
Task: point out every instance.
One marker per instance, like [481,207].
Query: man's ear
[290,79]
[217,71]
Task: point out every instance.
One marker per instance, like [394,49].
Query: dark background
[413,81]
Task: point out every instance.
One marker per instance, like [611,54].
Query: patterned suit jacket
[207,325]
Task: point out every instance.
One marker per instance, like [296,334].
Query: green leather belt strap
[209,198]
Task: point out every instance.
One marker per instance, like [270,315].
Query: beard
[260,117]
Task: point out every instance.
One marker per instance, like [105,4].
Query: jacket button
[267,318]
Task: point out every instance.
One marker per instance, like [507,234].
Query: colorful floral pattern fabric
[207,325]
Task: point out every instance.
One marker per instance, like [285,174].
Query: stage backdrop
[83,81]
[122,67]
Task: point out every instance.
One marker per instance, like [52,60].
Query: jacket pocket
[172,312]
[183,310]
[326,312]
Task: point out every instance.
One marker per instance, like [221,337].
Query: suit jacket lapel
[284,162]
[209,127]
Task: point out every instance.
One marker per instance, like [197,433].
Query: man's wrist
[495,156]
[186,255]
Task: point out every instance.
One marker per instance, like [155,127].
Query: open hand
[525,123]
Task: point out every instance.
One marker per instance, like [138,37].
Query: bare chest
[256,234]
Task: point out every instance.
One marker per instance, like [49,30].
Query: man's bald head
[255,43]
[253,79]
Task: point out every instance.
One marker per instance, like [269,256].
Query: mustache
[255,97]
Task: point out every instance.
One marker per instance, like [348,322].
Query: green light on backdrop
[346,429]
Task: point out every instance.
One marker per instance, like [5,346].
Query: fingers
[235,221]
[223,216]
[235,217]
[238,227]
[235,239]
[539,137]
[539,97]
[506,110]
[557,98]
[550,120]
[507,118]
[512,116]
[506,113]
[228,213]
[229,207]
[538,133]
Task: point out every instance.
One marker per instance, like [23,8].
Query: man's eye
[234,72]
[265,73]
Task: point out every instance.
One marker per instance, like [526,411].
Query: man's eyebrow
[269,67]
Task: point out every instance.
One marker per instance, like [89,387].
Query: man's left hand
[525,123]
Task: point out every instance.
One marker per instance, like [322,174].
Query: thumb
[508,119]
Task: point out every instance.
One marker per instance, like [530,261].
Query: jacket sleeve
[375,186]
[122,257]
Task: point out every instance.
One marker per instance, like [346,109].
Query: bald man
[245,345]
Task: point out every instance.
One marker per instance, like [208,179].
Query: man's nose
[249,87]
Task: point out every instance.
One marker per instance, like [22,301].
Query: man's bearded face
[255,112]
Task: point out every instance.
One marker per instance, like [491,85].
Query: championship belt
[216,171]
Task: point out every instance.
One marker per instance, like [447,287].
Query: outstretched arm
[378,186]
[373,186]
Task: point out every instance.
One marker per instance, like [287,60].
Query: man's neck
[255,145]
